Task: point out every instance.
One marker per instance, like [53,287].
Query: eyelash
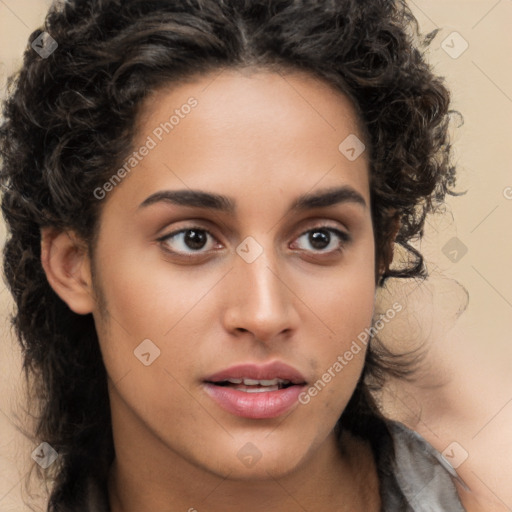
[344,240]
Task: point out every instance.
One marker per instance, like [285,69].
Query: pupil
[320,239]
[195,239]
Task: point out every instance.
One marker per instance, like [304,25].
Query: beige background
[462,401]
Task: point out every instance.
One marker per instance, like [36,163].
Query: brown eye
[195,239]
[188,241]
[319,239]
[323,239]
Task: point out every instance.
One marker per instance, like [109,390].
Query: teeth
[268,383]
[273,382]
[251,382]
[258,390]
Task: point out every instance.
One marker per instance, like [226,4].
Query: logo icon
[454,45]
[455,454]
[147,352]
[44,45]
[249,455]
[249,250]
[44,455]
[352,147]
[454,250]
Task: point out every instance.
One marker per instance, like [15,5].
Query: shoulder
[416,474]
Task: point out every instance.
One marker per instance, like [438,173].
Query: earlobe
[396,227]
[66,263]
[389,249]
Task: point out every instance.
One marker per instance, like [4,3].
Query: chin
[261,471]
[263,463]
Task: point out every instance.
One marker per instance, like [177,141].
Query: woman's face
[276,277]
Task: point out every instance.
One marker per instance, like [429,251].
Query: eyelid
[343,235]
[184,230]
[335,229]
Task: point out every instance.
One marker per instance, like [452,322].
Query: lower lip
[267,404]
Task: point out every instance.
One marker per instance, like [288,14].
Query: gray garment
[418,478]
[414,477]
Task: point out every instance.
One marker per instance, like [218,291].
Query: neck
[341,472]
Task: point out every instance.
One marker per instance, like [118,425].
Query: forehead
[245,129]
[245,97]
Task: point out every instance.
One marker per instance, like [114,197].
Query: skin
[262,139]
[442,405]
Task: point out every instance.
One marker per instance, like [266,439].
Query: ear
[66,263]
[396,227]
[389,250]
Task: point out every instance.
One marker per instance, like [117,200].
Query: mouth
[256,391]
[254,385]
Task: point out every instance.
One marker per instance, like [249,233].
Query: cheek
[345,307]
[153,309]
[146,294]
[345,295]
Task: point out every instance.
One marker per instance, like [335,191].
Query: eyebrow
[199,199]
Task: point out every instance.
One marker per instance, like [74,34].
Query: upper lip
[269,371]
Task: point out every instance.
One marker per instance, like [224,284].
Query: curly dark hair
[69,122]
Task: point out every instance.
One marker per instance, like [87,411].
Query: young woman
[203,198]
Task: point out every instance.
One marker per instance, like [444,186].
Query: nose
[260,300]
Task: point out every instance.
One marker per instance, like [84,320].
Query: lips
[256,391]
[255,385]
[271,371]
